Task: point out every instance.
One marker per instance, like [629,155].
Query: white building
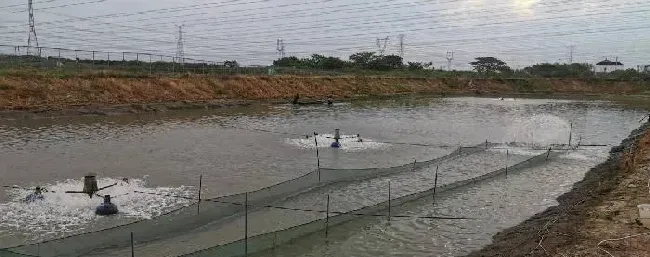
[605,66]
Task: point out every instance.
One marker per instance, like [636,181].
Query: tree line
[488,66]
[361,60]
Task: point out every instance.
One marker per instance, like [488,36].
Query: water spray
[90,186]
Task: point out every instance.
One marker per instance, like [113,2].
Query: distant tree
[330,63]
[624,74]
[548,70]
[315,61]
[362,59]
[231,64]
[386,62]
[290,61]
[490,65]
[419,65]
[415,66]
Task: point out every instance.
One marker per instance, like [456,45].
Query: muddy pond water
[246,148]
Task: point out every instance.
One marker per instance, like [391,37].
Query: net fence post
[570,132]
[327,216]
[579,141]
[389,201]
[150,65]
[108,55]
[132,250]
[317,156]
[414,162]
[435,185]
[246,224]
[198,205]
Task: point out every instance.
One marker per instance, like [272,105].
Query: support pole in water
[435,185]
[414,162]
[579,141]
[507,155]
[570,133]
[317,157]
[327,217]
[486,143]
[548,153]
[198,205]
[132,251]
[246,224]
[389,201]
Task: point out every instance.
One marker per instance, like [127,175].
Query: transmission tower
[280,48]
[32,41]
[450,57]
[571,47]
[180,52]
[381,45]
[401,45]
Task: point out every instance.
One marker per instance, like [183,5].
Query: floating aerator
[337,136]
[106,208]
[36,196]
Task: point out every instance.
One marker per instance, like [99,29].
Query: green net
[219,210]
[272,239]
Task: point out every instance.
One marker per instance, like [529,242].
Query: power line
[305,43]
[19,5]
[251,42]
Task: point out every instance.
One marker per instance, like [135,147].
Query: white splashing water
[516,150]
[348,142]
[539,129]
[61,213]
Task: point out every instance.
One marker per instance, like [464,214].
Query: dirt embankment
[603,206]
[138,94]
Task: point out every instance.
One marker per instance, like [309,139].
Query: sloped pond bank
[595,217]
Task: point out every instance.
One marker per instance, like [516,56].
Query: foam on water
[348,142]
[62,213]
[542,129]
[515,150]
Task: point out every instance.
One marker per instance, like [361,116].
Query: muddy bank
[106,95]
[601,206]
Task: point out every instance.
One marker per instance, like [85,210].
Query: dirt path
[602,206]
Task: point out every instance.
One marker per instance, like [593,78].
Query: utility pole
[280,48]
[180,52]
[571,47]
[32,41]
[381,45]
[450,57]
[401,45]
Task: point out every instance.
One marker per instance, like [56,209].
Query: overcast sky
[520,32]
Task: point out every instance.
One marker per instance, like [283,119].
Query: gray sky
[520,32]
